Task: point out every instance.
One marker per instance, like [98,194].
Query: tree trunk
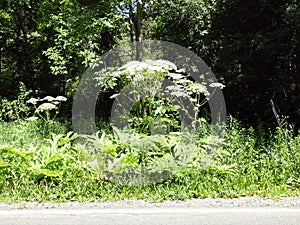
[131,23]
[138,30]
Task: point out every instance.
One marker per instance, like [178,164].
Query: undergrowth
[52,165]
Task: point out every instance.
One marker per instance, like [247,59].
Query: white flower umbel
[61,98]
[217,85]
[33,118]
[45,112]
[33,101]
[176,76]
[46,107]
[159,65]
[199,88]
[48,98]
[165,64]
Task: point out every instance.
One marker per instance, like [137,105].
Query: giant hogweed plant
[129,153]
[131,158]
[153,100]
[46,109]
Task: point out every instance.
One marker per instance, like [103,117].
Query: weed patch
[59,168]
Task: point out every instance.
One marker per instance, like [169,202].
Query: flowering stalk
[43,111]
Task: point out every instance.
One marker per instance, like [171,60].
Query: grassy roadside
[47,165]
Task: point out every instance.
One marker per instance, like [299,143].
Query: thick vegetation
[56,168]
[251,46]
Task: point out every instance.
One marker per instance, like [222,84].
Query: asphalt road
[157,216]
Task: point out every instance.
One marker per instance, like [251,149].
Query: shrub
[15,109]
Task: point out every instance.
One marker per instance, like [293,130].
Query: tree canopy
[252,46]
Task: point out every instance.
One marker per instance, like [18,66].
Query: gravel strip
[243,202]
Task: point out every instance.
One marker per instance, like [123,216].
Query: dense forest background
[253,47]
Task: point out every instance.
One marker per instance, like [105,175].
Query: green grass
[21,133]
[49,165]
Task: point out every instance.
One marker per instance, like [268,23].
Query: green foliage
[154,115]
[253,52]
[258,56]
[126,153]
[38,161]
[15,109]
[40,165]
[62,168]
[22,133]
[190,19]
[47,45]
